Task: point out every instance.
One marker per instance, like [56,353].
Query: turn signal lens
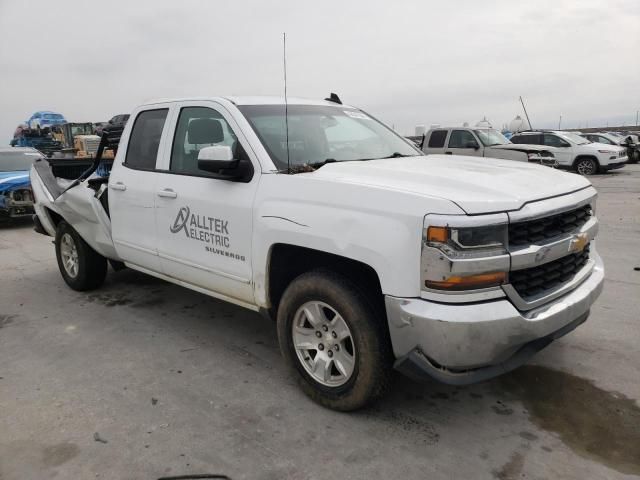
[484,280]
[438,234]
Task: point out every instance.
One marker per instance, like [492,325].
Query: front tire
[586,166]
[334,340]
[81,267]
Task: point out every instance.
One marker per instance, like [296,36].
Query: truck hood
[523,147]
[476,185]
[12,180]
[595,146]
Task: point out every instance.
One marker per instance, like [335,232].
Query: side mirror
[473,145]
[219,157]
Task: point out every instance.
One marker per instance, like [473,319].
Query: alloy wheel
[69,254]
[324,344]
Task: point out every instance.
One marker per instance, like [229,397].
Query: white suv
[574,151]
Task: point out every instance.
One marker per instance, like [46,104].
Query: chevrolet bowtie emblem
[578,242]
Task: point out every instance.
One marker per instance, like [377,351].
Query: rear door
[463,142]
[132,193]
[205,223]
[564,151]
[435,142]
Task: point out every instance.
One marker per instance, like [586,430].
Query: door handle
[448,153]
[118,186]
[167,193]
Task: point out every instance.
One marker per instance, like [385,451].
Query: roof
[458,127]
[18,150]
[252,100]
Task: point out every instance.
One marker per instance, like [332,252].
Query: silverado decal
[209,230]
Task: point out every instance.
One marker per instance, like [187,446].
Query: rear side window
[437,138]
[462,139]
[535,139]
[551,140]
[145,139]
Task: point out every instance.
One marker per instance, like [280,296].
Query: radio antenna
[525,113]
[286,105]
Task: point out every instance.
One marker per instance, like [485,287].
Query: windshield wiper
[317,165]
[307,167]
[310,167]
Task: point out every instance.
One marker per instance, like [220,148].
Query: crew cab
[483,142]
[576,152]
[367,254]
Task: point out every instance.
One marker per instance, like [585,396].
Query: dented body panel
[216,235]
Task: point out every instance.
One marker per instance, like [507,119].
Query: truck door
[205,223]
[132,192]
[463,142]
[434,144]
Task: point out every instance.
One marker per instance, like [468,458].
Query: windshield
[574,138]
[319,133]
[491,137]
[17,161]
[52,116]
[81,130]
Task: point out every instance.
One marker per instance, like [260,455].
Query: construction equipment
[77,139]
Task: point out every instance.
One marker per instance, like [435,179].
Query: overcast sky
[406,62]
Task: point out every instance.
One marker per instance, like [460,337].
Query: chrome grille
[533,281]
[536,231]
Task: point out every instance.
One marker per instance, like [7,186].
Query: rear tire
[586,166]
[81,267]
[334,340]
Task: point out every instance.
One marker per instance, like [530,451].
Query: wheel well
[56,218]
[287,262]
[580,157]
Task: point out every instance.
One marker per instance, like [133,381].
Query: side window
[199,127]
[437,138]
[462,139]
[535,139]
[551,140]
[145,139]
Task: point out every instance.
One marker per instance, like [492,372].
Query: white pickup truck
[368,254]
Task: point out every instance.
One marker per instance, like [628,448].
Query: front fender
[377,227]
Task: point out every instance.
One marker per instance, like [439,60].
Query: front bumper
[17,211]
[614,166]
[466,343]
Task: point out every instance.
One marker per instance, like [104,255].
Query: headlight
[464,253]
[539,155]
[609,152]
[468,242]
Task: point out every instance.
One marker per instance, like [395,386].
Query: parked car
[576,152]
[119,120]
[98,126]
[627,140]
[42,120]
[483,142]
[367,253]
[16,197]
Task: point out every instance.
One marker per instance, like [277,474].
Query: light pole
[560,122]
